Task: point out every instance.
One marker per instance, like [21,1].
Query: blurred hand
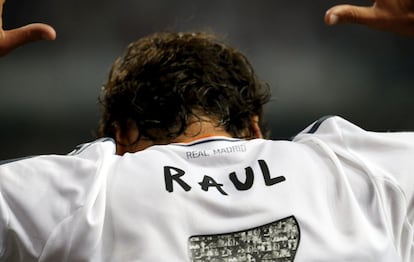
[11,39]
[395,16]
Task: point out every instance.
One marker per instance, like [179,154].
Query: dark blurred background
[48,90]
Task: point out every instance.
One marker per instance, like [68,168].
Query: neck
[201,129]
[196,129]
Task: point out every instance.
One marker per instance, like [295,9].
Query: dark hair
[164,79]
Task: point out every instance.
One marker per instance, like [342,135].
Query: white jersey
[334,193]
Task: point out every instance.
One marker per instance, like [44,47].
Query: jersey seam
[368,173]
[206,141]
[7,226]
[78,209]
[57,226]
[375,179]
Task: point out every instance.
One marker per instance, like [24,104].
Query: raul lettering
[175,176]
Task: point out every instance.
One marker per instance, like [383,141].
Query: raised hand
[11,39]
[395,16]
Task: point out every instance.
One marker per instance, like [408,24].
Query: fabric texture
[334,193]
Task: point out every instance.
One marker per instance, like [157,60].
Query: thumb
[30,33]
[350,14]
[14,38]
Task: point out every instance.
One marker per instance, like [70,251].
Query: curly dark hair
[164,79]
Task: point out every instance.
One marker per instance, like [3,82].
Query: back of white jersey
[221,199]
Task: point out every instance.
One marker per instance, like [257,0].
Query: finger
[350,14]
[1,13]
[22,35]
[29,33]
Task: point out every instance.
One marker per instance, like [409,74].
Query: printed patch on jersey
[276,241]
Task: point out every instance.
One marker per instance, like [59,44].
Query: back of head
[163,80]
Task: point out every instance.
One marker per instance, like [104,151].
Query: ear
[125,139]
[255,130]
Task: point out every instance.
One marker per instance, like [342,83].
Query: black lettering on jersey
[248,183]
[176,174]
[276,241]
[169,178]
[266,175]
[210,182]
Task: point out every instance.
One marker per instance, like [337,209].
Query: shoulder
[329,124]
[46,177]
[91,150]
[337,131]
[102,146]
[38,193]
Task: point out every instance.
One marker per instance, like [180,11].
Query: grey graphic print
[277,241]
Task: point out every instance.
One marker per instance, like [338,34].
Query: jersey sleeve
[40,194]
[391,154]
[36,194]
[4,222]
[387,161]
